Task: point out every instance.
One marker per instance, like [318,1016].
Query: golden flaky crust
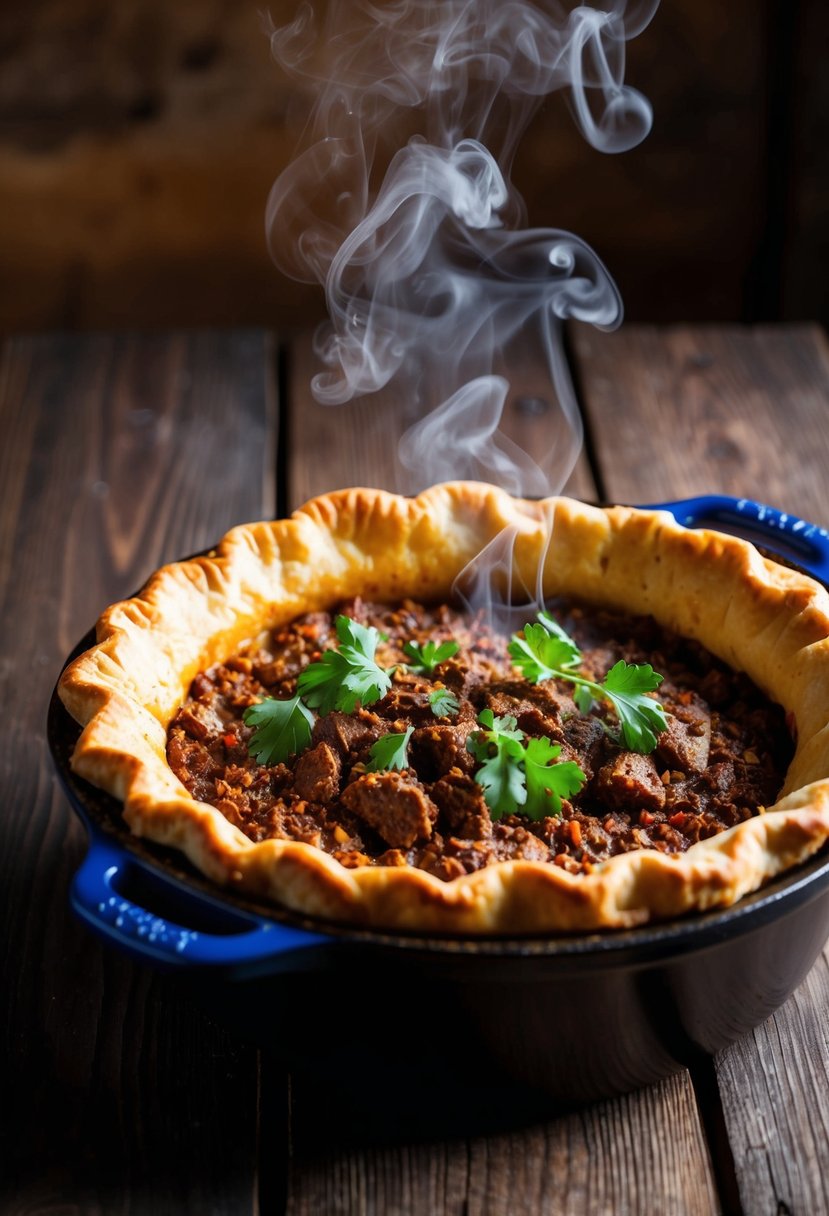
[757,616]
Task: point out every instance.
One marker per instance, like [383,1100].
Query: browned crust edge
[759,617]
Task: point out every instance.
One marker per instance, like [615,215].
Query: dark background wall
[139,140]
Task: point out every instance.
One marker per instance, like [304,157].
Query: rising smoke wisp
[401,206]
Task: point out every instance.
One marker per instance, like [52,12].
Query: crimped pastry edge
[758,616]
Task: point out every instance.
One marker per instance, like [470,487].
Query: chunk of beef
[405,703]
[317,776]
[347,733]
[534,703]
[630,782]
[686,742]
[460,679]
[198,720]
[515,842]
[190,759]
[398,808]
[462,805]
[586,738]
[437,748]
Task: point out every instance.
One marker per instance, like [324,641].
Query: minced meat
[720,760]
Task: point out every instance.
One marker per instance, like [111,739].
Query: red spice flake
[574,828]
[229,739]
[646,818]
[677,820]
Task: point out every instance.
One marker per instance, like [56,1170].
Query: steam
[491,583]
[401,206]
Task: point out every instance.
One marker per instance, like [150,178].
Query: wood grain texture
[745,412]
[701,409]
[773,1086]
[356,443]
[119,1095]
[643,1153]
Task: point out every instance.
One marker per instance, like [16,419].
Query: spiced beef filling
[721,759]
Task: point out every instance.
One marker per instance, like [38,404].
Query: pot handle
[203,933]
[804,544]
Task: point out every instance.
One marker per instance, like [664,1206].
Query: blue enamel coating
[247,942]
[805,544]
[244,941]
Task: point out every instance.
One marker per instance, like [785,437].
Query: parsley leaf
[342,679]
[552,626]
[548,782]
[281,729]
[543,655]
[520,777]
[642,718]
[363,638]
[429,655]
[444,703]
[494,729]
[502,778]
[499,747]
[321,683]
[391,751]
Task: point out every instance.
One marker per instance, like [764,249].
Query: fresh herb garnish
[517,776]
[281,729]
[548,779]
[426,658]
[342,679]
[641,717]
[501,775]
[444,703]
[542,655]
[390,751]
[552,626]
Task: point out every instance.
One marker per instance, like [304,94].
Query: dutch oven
[570,1018]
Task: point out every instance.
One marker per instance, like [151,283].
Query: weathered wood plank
[746,412]
[118,453]
[356,443]
[697,409]
[640,1153]
[773,1087]
[616,1157]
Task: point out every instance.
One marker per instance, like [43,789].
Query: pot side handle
[789,536]
[203,933]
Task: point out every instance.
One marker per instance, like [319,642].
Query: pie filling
[720,761]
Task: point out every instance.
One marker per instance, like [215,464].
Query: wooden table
[119,1095]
